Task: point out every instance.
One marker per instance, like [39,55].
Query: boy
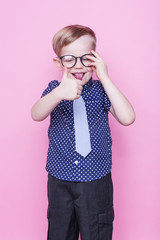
[80,188]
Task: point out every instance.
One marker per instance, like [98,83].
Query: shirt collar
[88,84]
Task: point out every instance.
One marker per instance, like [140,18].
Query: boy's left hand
[98,65]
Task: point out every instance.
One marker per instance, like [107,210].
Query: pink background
[128,39]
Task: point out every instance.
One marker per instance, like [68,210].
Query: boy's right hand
[70,87]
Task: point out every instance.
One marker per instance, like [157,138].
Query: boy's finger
[79,81]
[96,54]
[65,71]
[71,76]
[67,74]
[93,59]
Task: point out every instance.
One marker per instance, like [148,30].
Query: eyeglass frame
[76,59]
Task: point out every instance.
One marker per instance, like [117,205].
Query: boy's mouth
[79,75]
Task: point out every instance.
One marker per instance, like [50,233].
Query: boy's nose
[78,63]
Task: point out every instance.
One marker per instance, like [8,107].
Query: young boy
[79,160]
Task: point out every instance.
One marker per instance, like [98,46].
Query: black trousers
[80,207]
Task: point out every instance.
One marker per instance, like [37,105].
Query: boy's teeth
[79,75]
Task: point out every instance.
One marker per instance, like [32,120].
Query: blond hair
[69,34]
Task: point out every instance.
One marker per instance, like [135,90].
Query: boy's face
[78,48]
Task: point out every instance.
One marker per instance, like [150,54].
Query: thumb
[65,72]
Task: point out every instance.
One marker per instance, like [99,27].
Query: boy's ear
[57,61]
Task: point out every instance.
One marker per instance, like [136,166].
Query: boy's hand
[98,65]
[70,88]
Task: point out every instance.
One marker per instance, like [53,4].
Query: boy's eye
[68,59]
[86,59]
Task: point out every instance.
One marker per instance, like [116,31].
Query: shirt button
[76,162]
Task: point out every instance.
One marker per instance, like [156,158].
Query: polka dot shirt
[63,161]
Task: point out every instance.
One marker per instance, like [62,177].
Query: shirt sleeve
[53,84]
[107,102]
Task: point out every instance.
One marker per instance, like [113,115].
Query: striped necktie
[82,136]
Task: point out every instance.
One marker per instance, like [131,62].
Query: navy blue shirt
[63,161]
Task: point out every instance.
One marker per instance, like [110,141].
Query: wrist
[105,79]
[58,94]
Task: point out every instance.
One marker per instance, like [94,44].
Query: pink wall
[128,39]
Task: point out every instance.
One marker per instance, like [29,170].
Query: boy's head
[74,41]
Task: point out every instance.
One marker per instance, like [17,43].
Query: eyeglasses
[70,61]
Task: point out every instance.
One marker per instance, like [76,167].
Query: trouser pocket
[105,225]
